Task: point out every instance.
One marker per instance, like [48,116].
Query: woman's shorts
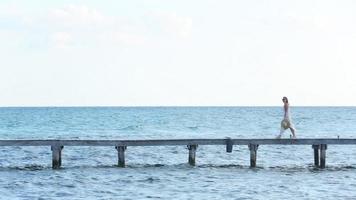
[286,123]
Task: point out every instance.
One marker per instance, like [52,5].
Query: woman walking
[286,123]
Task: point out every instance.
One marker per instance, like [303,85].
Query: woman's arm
[285,110]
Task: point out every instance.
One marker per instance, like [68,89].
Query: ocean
[162,172]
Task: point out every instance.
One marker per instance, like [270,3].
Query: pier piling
[323,148]
[253,154]
[121,155]
[192,151]
[316,148]
[56,156]
[229,144]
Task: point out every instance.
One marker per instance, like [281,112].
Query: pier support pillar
[253,154]
[323,148]
[121,155]
[192,149]
[229,144]
[316,148]
[56,156]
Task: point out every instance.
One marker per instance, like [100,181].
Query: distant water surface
[162,172]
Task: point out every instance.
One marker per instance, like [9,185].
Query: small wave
[336,168]
[130,128]
[33,167]
[312,168]
[222,166]
[145,165]
[174,166]
[193,127]
[150,180]
[182,166]
[152,197]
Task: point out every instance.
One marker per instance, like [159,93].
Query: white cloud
[14,16]
[117,37]
[76,15]
[173,23]
[10,10]
[80,25]
[105,30]
[61,39]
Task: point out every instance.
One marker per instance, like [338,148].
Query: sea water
[162,172]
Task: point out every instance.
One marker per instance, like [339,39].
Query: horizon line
[162,106]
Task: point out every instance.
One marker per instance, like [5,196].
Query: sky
[177,53]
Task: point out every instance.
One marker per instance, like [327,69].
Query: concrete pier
[319,146]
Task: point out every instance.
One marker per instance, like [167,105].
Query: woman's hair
[286,99]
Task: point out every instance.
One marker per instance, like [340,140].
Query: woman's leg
[292,129]
[280,133]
